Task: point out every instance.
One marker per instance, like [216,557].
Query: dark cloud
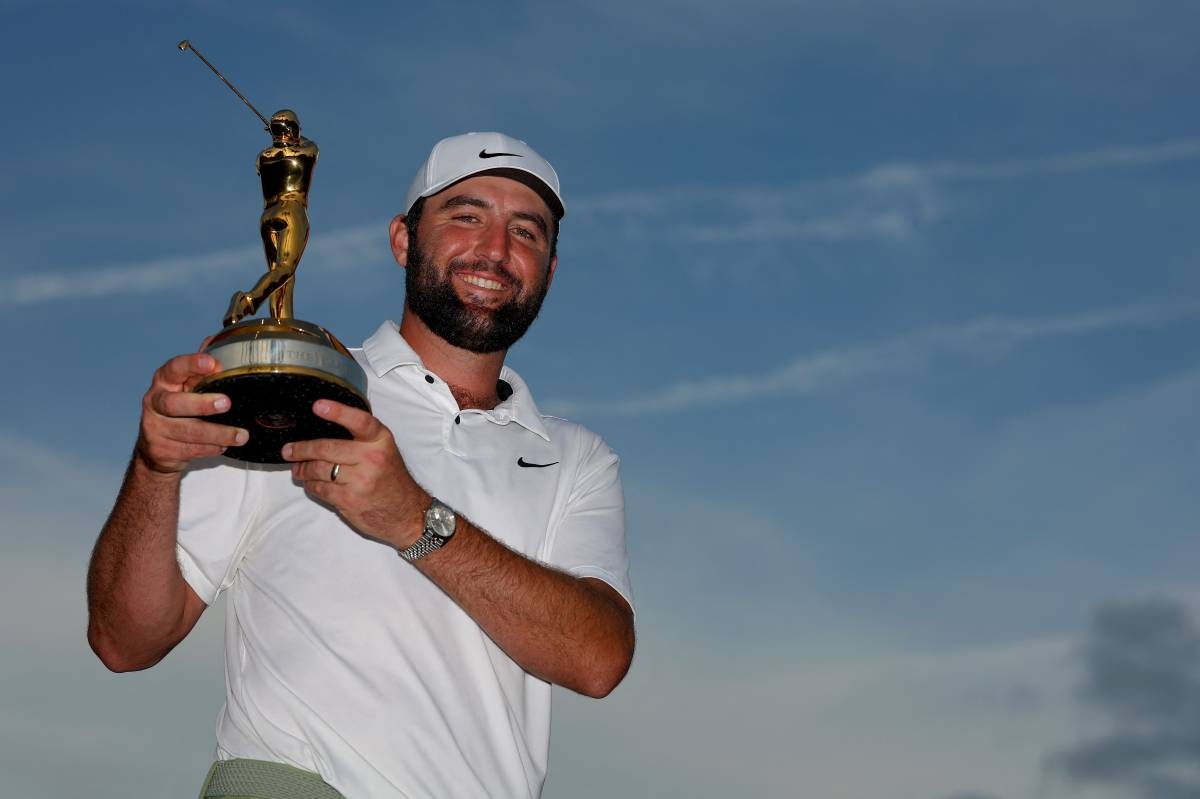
[1142,664]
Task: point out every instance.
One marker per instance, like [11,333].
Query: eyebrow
[536,219]
[476,202]
[464,199]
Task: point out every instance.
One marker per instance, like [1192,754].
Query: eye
[524,233]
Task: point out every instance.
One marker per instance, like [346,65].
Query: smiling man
[399,603]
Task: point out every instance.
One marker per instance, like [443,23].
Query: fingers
[188,430]
[362,425]
[172,443]
[184,403]
[313,472]
[183,369]
[372,445]
[326,466]
[324,452]
[314,459]
[171,392]
[371,488]
[169,444]
[173,432]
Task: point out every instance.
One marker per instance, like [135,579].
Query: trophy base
[273,371]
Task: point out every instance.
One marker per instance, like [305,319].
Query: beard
[470,327]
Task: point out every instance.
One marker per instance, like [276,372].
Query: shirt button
[457,419]
[429,379]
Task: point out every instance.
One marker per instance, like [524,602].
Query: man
[427,674]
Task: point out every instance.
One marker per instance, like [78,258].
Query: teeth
[483,282]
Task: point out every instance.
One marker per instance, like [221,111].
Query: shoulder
[557,426]
[578,444]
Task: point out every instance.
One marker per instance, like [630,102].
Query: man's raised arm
[139,606]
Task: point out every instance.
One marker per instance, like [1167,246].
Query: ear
[550,272]
[398,235]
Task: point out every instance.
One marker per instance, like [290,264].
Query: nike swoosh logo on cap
[485,154]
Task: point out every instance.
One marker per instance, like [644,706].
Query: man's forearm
[573,632]
[577,633]
[139,605]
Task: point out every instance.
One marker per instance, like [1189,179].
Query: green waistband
[260,779]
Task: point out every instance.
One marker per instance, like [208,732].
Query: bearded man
[400,603]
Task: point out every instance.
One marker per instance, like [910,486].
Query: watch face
[440,520]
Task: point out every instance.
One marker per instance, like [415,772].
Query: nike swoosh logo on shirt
[527,465]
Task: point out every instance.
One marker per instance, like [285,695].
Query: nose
[492,244]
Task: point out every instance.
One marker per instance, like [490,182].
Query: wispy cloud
[147,277]
[338,249]
[1085,161]
[886,202]
[838,367]
[889,202]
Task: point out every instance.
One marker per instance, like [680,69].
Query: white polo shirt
[343,659]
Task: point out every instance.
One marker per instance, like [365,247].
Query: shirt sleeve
[589,540]
[218,503]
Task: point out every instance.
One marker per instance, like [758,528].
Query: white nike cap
[459,157]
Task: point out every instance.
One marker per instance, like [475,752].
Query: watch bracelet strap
[425,544]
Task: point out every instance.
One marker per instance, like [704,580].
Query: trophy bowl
[273,370]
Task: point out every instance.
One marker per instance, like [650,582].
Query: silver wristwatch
[439,528]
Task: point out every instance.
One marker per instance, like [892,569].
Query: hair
[413,218]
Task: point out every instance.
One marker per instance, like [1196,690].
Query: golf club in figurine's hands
[273,368]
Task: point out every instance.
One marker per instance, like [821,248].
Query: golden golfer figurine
[286,169]
[274,368]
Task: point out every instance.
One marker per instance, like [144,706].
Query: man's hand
[373,491]
[172,433]
[573,632]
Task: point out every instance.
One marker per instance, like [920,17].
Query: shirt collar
[520,407]
[386,350]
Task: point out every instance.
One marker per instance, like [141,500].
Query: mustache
[485,267]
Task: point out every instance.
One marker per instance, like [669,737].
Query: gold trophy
[275,367]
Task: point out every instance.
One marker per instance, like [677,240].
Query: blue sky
[891,310]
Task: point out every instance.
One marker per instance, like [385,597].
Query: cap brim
[513,173]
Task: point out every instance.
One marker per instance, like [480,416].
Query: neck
[471,376]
